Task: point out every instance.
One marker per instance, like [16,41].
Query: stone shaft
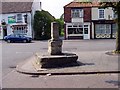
[54,31]
[54,44]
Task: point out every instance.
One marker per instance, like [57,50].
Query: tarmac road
[14,53]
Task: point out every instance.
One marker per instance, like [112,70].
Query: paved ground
[91,52]
[16,80]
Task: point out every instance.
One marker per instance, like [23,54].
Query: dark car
[17,38]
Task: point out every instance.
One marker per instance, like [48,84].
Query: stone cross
[55,44]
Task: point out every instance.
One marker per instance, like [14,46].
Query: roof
[16,7]
[79,3]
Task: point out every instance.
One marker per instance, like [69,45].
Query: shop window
[80,26]
[85,30]
[85,25]
[75,30]
[74,25]
[114,28]
[69,26]
[108,29]
[20,30]
[103,29]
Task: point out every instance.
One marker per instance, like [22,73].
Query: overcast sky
[55,7]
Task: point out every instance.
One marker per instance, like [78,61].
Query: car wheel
[24,41]
[9,41]
[29,41]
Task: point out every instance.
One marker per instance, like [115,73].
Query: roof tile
[16,7]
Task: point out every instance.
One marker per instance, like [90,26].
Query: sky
[54,7]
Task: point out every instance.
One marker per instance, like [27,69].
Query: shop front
[105,31]
[77,31]
[20,29]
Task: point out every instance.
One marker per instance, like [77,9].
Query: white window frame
[103,28]
[99,13]
[74,13]
[114,15]
[19,19]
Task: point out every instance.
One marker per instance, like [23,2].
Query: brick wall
[67,14]
[87,14]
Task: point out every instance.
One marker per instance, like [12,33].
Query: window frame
[19,18]
[77,13]
[101,13]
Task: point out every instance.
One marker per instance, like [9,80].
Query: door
[86,32]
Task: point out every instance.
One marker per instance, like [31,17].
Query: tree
[42,25]
[61,26]
[62,17]
[116,8]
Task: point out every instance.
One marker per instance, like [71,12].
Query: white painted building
[103,24]
[17,17]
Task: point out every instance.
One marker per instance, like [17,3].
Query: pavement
[92,62]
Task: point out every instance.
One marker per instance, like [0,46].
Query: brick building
[88,21]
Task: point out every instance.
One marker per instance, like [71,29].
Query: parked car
[17,38]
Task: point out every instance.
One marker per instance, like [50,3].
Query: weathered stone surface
[52,61]
[55,57]
[54,44]
[55,47]
[54,31]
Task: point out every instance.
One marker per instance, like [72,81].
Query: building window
[77,13]
[101,13]
[114,15]
[20,30]
[85,30]
[19,18]
[103,29]
[75,31]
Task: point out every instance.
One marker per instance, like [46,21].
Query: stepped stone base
[53,61]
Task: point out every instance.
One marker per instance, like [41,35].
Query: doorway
[4,32]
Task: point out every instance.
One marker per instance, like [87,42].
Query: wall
[1,30]
[36,6]
[87,14]
[95,14]
[9,29]
[67,15]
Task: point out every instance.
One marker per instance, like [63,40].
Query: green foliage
[62,17]
[61,26]
[116,8]
[42,25]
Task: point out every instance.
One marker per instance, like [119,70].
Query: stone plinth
[53,61]
[55,57]
[55,47]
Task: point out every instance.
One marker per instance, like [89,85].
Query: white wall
[36,6]
[9,29]
[108,11]
[93,30]
[1,31]
[77,20]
